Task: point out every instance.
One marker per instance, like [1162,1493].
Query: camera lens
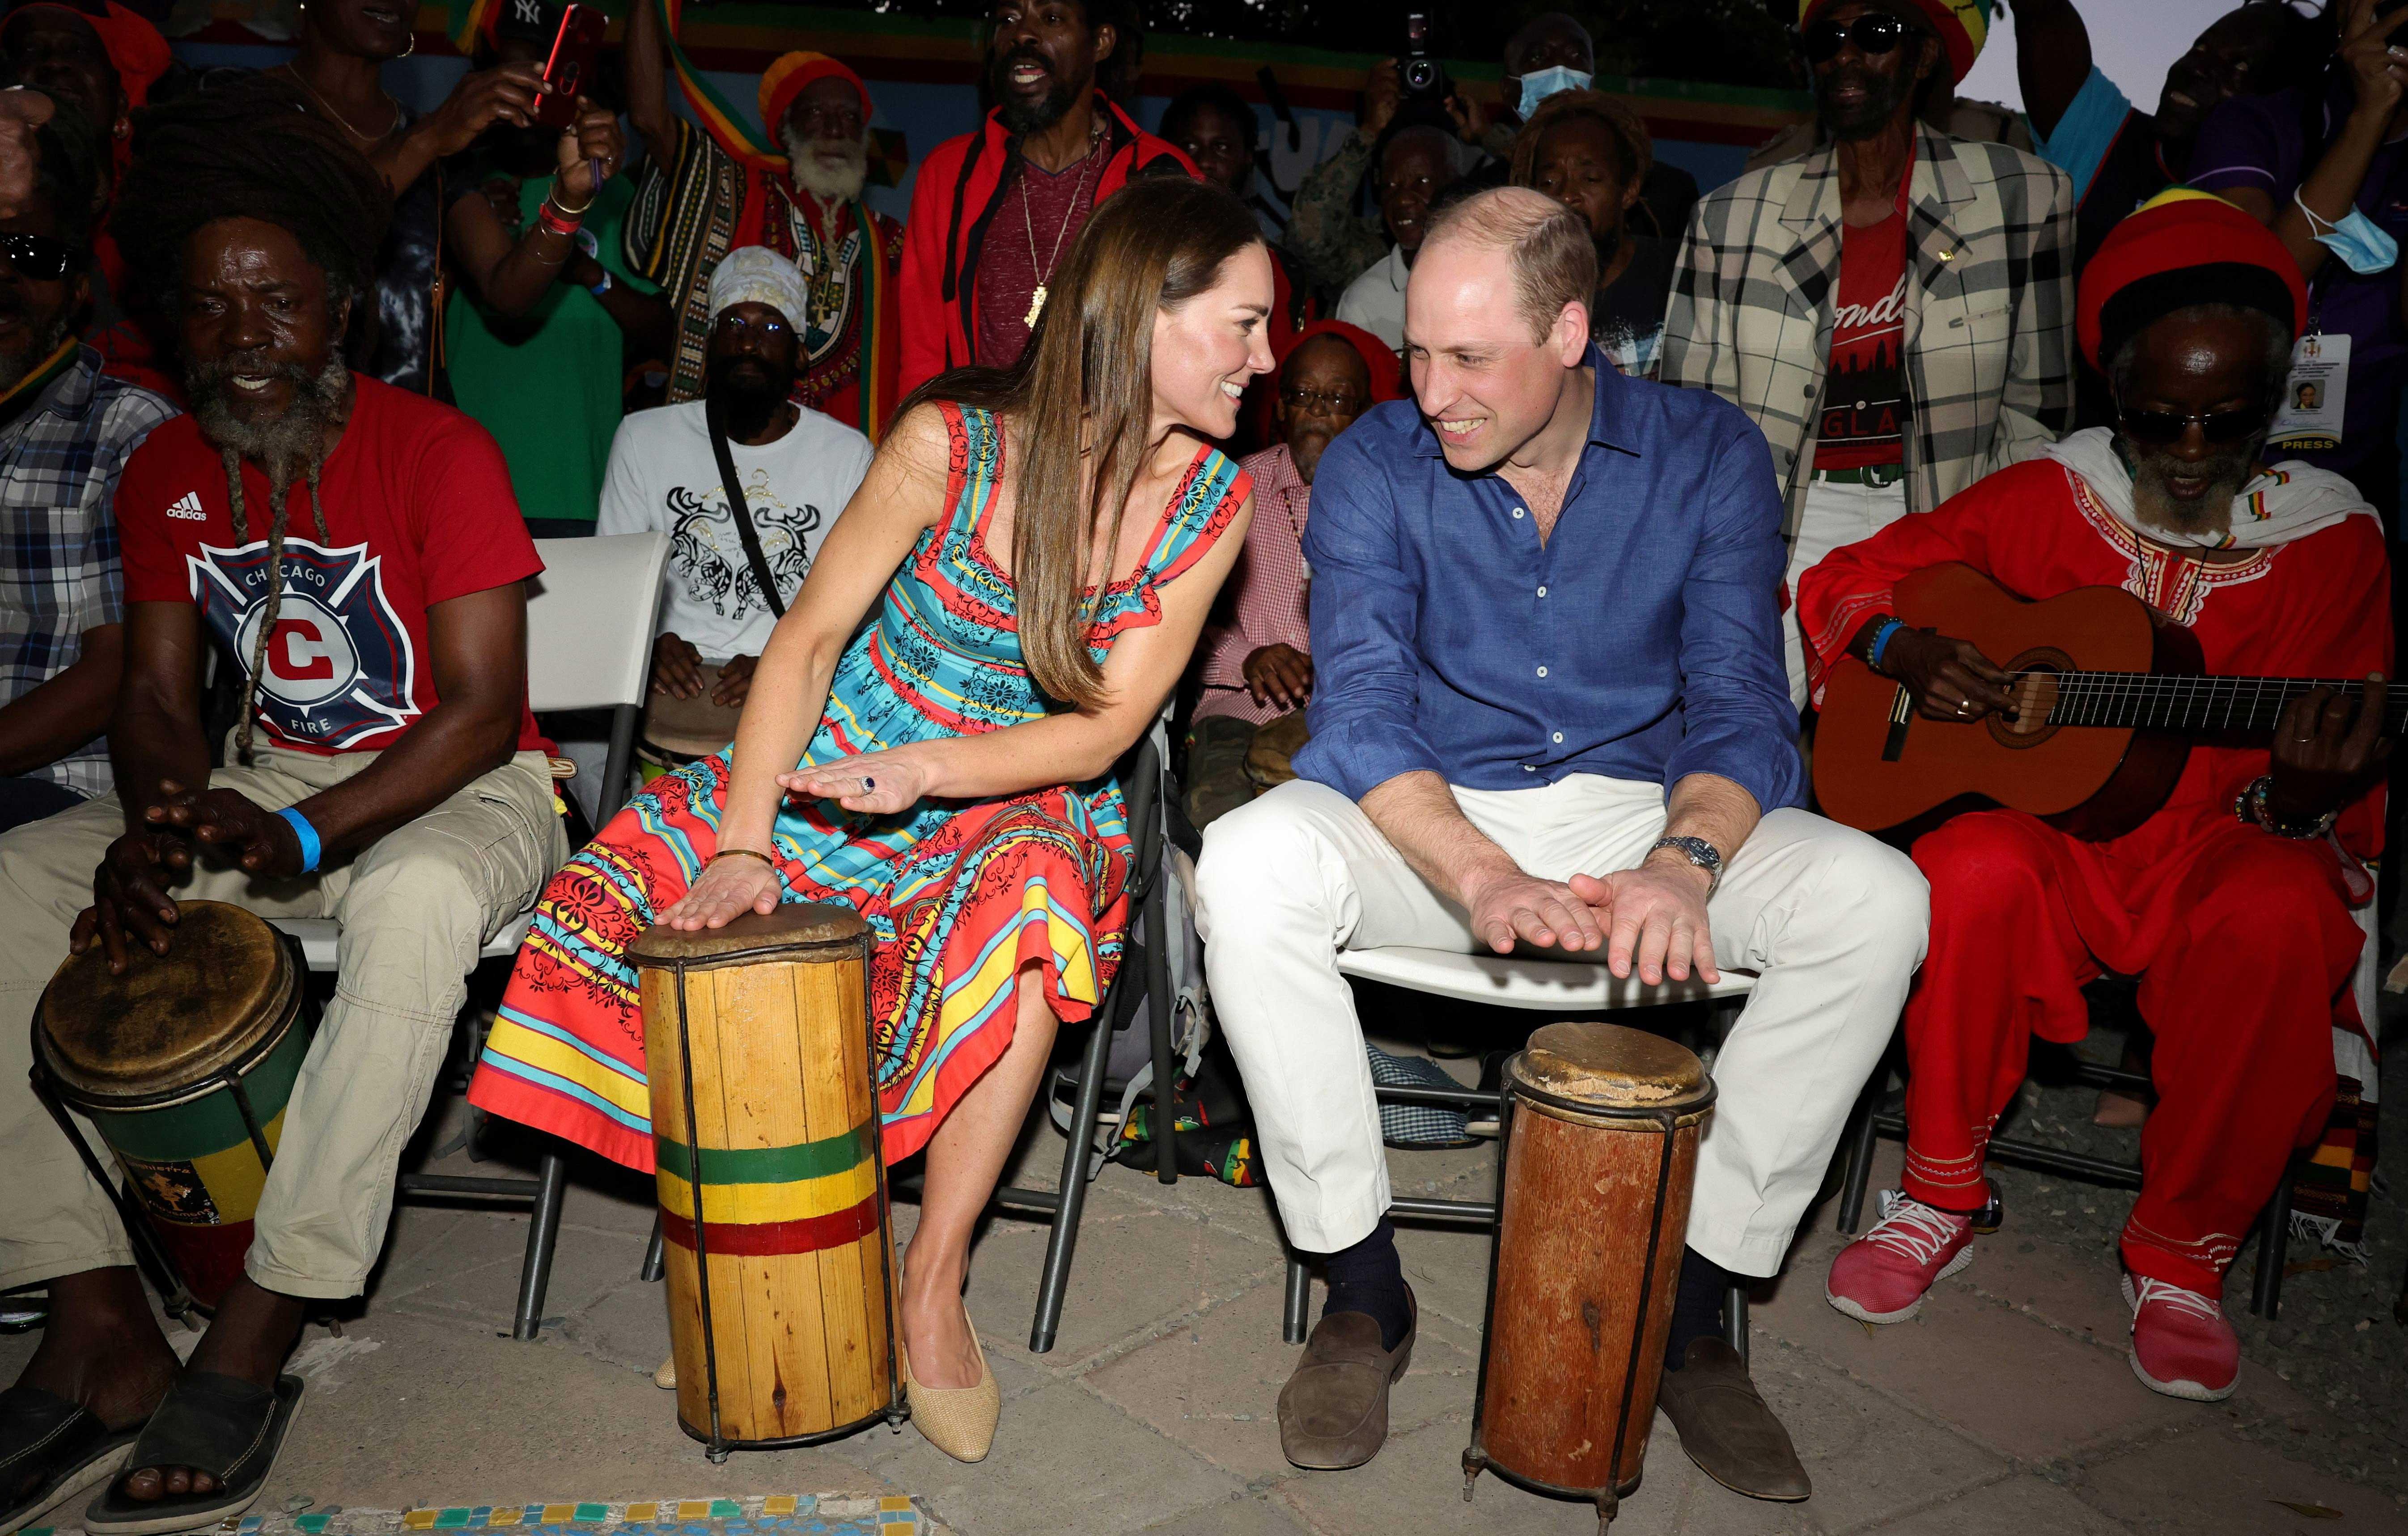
[1421,74]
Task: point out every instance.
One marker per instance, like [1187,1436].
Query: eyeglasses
[1875,32]
[1324,402]
[2161,427]
[37,257]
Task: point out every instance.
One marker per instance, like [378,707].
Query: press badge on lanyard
[2314,394]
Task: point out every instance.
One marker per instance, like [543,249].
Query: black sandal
[219,1425]
[61,1442]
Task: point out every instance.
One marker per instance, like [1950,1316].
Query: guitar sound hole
[2034,693]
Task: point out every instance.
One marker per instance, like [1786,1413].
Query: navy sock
[1697,1306]
[1368,1277]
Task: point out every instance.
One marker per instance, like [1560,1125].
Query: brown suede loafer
[1333,1413]
[1726,1428]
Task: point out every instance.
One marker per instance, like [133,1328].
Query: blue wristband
[1881,641]
[308,836]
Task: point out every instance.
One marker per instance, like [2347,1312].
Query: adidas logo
[188,506]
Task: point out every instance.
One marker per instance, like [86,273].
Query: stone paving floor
[2007,1408]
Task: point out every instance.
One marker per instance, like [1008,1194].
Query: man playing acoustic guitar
[2232,902]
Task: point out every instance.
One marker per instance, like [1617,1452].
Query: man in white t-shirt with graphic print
[795,469]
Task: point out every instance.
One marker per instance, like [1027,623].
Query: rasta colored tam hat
[136,49]
[789,74]
[2179,248]
[1962,25]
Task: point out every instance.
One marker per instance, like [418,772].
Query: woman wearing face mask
[2326,166]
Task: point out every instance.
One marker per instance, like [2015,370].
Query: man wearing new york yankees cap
[352,553]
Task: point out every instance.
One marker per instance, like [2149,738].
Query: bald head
[1544,246]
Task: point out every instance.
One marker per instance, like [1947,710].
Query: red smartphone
[573,49]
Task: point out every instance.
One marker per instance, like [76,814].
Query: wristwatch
[1698,851]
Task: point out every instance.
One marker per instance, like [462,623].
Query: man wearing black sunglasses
[2232,903]
[65,432]
[1890,309]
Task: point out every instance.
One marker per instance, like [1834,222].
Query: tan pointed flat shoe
[665,1377]
[957,1420]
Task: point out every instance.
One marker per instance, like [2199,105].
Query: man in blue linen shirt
[1550,707]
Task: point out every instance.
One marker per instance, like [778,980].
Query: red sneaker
[2181,1347]
[1882,1276]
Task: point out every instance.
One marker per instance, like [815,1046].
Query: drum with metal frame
[1600,1154]
[766,1131]
[183,1065]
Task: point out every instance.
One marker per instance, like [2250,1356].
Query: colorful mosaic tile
[771,1514]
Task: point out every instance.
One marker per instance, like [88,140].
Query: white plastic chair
[590,617]
[1505,981]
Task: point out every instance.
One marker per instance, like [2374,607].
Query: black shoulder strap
[737,509]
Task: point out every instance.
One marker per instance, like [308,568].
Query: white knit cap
[759,275]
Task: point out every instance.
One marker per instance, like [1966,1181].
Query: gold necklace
[369,140]
[1036,300]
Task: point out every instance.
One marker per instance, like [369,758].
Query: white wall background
[2132,40]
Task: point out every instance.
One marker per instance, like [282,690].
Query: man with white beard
[698,201]
[2231,903]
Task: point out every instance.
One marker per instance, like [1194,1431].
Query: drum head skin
[796,925]
[1609,1067]
[693,727]
[221,990]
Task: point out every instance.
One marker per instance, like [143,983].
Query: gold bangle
[745,852]
[564,210]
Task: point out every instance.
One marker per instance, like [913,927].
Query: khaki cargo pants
[415,906]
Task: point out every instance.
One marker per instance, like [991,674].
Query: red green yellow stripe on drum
[757,1200]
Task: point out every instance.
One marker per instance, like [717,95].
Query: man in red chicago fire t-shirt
[354,554]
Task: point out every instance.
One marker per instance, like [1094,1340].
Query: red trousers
[2244,942]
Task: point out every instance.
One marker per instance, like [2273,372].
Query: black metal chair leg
[1734,1318]
[2273,1238]
[1299,1297]
[543,1237]
[1063,1239]
[1860,1151]
[653,1255]
[1162,1011]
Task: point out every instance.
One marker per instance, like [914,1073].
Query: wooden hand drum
[183,1065]
[1601,1155]
[773,1195]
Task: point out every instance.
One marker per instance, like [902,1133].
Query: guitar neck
[2157,701]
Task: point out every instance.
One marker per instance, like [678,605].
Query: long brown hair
[1081,403]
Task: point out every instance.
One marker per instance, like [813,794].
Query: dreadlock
[254,149]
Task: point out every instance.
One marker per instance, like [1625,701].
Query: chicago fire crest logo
[339,669]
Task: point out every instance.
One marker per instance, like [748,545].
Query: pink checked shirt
[1268,590]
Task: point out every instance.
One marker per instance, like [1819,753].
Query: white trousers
[1831,921]
[1835,513]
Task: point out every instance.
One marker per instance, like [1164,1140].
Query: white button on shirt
[1543,672]
[1517,511]
[1559,738]
[1543,592]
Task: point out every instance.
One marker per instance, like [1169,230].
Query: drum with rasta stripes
[183,1065]
[773,1196]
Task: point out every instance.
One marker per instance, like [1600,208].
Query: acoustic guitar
[2108,694]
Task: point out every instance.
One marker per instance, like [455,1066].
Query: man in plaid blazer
[1951,316]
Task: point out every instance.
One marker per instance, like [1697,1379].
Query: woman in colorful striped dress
[1042,545]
